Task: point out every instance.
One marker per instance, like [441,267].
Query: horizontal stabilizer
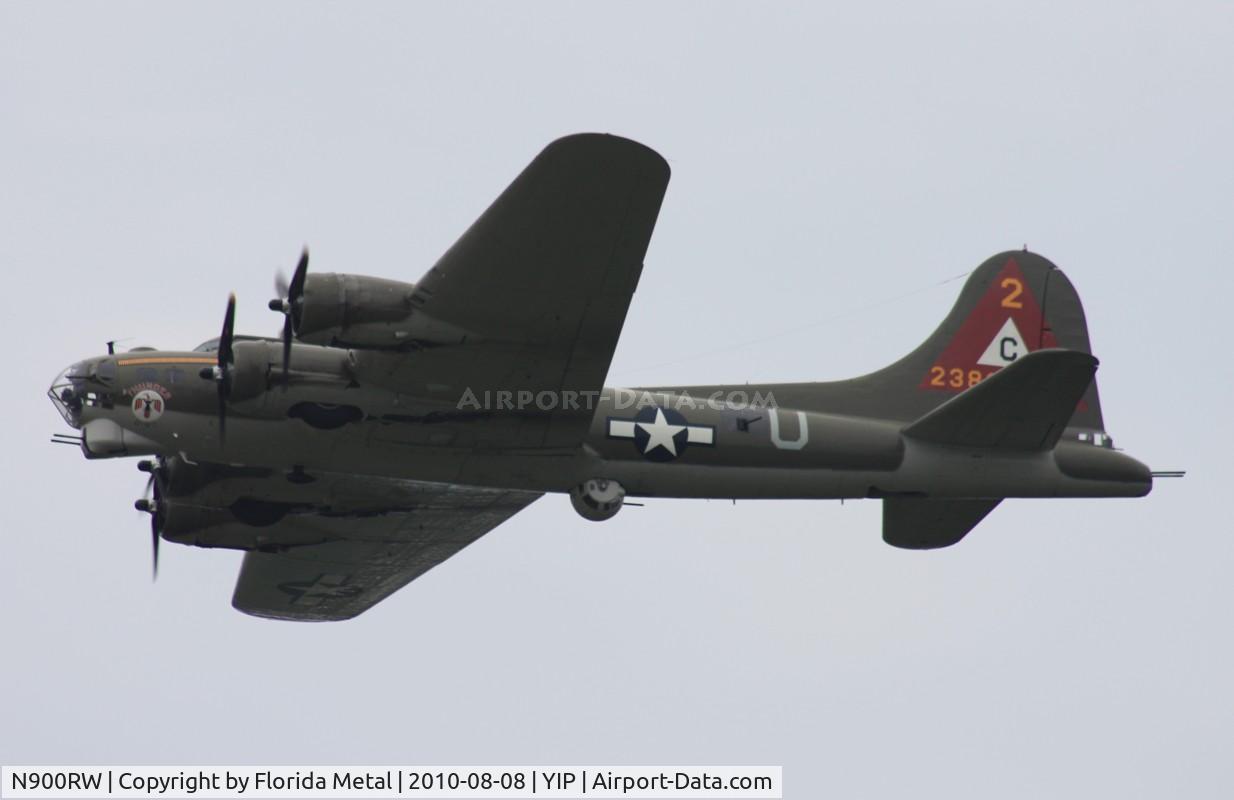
[1023,407]
[924,523]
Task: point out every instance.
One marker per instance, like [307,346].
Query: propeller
[290,303]
[149,503]
[221,373]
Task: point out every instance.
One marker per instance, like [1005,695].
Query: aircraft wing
[377,553]
[330,545]
[541,282]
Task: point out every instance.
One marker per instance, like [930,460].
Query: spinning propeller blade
[154,538]
[221,374]
[149,505]
[290,304]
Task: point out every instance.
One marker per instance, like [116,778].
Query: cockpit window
[147,375]
[106,370]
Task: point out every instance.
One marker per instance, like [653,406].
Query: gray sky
[827,160]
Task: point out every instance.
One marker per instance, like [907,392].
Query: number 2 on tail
[1012,300]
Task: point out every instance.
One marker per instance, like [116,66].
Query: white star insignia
[660,433]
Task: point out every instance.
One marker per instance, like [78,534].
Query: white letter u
[803,434]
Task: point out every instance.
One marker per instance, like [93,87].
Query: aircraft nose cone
[66,398]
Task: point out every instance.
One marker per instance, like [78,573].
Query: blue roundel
[660,434]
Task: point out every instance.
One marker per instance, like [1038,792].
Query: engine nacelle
[359,311]
[598,499]
[245,524]
[258,365]
[183,522]
[237,527]
[251,369]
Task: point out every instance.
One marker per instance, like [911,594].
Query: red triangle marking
[1009,296]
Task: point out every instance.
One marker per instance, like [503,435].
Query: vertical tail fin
[1015,303]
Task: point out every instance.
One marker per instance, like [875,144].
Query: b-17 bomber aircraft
[396,423]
